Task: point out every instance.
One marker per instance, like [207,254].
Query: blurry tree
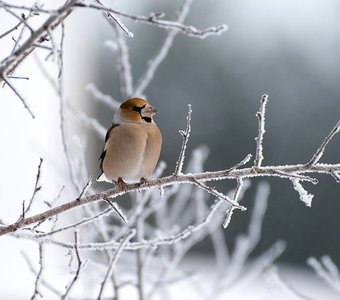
[142,245]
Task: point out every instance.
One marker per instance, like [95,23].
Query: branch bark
[269,171]
[10,63]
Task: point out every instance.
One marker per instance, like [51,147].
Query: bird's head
[135,110]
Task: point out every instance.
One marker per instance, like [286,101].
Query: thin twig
[43,282]
[185,135]
[245,244]
[219,195]
[80,264]
[230,210]
[18,77]
[274,277]
[38,277]
[162,52]
[152,243]
[89,122]
[139,257]
[85,188]
[327,270]
[20,18]
[116,209]
[304,195]
[64,104]
[259,140]
[319,153]
[114,260]
[336,176]
[117,21]
[123,65]
[11,30]
[6,80]
[241,163]
[298,176]
[259,265]
[36,189]
[80,223]
[102,98]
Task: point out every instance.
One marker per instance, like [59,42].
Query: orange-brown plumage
[132,144]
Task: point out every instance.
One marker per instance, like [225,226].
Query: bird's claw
[143,181]
[121,184]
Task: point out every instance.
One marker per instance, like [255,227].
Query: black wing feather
[102,155]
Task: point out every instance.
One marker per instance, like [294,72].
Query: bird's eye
[136,108]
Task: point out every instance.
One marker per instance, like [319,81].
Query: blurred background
[287,49]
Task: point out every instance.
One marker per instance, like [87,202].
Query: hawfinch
[132,144]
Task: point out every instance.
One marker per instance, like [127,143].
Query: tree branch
[162,52]
[114,260]
[154,19]
[10,63]
[269,171]
[319,153]
[261,116]
[185,135]
[80,264]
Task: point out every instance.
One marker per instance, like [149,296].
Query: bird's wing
[102,155]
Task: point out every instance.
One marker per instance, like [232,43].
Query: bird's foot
[121,184]
[143,181]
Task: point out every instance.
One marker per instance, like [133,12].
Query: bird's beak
[148,111]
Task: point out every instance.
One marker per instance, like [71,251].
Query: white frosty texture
[304,195]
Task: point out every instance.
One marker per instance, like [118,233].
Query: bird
[132,144]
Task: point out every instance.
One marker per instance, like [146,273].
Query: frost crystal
[304,195]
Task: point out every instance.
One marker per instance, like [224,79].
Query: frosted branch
[117,22]
[259,140]
[336,176]
[20,18]
[260,264]
[155,20]
[297,177]
[10,63]
[122,51]
[83,222]
[304,195]
[42,280]
[246,243]
[15,27]
[229,214]
[185,135]
[230,210]
[16,92]
[162,52]
[91,123]
[36,189]
[219,195]
[85,188]
[152,243]
[275,279]
[319,153]
[269,171]
[114,260]
[327,270]
[79,266]
[39,274]
[241,163]
[102,98]
[116,209]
